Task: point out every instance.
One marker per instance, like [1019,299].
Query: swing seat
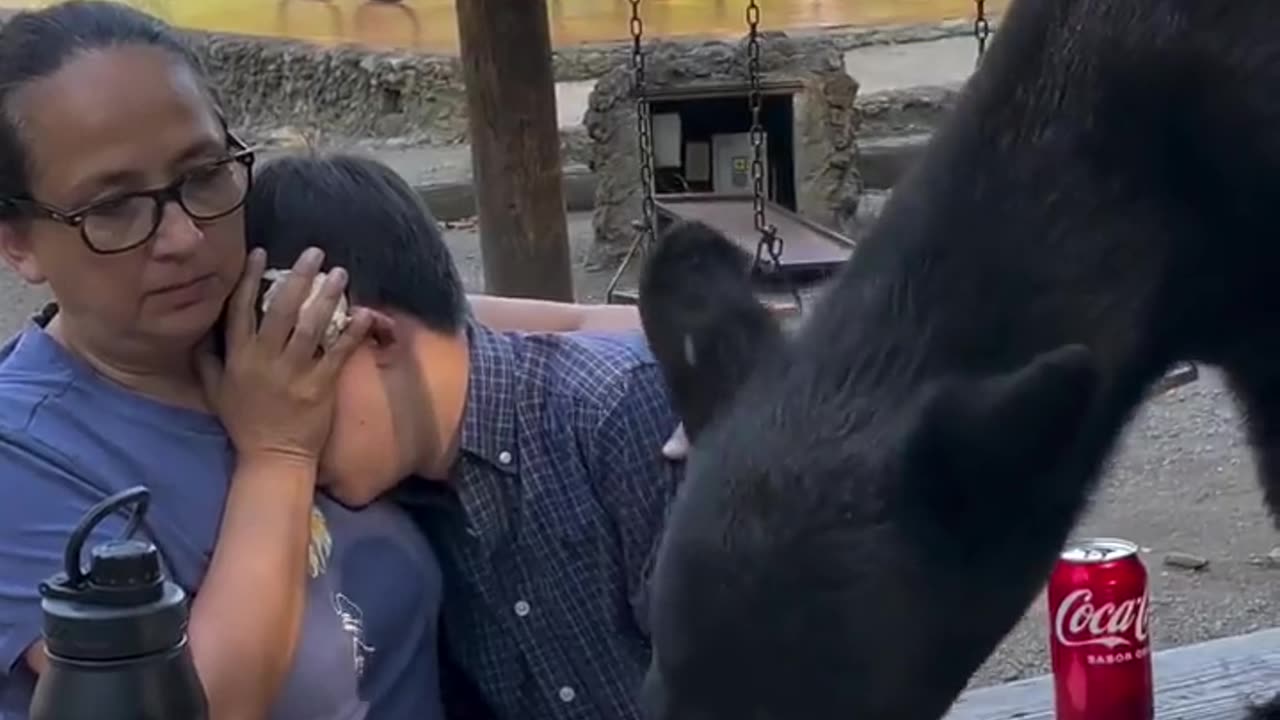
[806,245]
[810,252]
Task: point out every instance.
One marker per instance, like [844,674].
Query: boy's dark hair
[368,220]
[38,43]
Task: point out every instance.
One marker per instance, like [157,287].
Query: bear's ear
[702,320]
[974,439]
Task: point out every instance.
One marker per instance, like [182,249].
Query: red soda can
[1099,642]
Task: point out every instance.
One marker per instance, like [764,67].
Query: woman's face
[111,122]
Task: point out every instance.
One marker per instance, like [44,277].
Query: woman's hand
[275,392]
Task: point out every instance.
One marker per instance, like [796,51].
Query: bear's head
[824,515]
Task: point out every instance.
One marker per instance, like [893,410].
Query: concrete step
[456,200]
[884,160]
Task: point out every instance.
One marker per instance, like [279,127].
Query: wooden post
[515,147]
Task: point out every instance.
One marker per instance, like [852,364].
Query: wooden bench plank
[1207,681]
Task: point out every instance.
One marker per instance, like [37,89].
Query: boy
[533,461]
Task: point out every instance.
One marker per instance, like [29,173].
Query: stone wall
[340,91]
[334,94]
[354,92]
[593,60]
[826,122]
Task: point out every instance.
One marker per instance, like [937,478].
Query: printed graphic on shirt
[321,545]
[352,619]
[350,615]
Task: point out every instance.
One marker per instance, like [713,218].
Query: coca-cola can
[1099,641]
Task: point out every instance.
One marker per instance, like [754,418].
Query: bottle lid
[122,606]
[123,609]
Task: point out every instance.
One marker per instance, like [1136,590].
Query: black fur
[1267,711]
[870,506]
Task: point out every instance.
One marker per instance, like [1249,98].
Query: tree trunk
[515,147]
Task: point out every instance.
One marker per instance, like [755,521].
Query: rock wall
[827,120]
[344,91]
[333,95]
[590,61]
[340,91]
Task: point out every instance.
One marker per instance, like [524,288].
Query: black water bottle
[116,634]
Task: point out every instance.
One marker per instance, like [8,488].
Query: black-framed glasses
[119,224]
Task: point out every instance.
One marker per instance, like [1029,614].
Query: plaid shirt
[548,534]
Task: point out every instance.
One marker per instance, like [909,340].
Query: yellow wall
[391,24]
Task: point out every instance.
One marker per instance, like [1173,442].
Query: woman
[121,187]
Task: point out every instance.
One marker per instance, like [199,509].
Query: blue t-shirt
[69,438]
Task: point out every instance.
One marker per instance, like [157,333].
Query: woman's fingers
[279,321]
[240,317]
[337,354]
[315,317]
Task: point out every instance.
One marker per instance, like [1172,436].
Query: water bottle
[116,634]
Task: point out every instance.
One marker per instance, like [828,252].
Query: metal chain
[643,126]
[769,240]
[981,27]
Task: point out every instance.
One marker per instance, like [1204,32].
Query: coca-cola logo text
[1079,623]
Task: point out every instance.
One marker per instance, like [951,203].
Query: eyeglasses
[119,224]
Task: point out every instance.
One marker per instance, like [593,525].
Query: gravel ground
[1182,481]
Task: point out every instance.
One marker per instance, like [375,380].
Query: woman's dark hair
[36,44]
[368,220]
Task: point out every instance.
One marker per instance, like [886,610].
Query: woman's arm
[504,313]
[523,314]
[246,617]
[275,397]
[243,650]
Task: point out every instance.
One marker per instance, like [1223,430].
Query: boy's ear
[703,322]
[385,334]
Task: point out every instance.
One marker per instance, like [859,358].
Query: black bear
[871,504]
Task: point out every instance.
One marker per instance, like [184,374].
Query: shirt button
[567,694]
[522,608]
[504,457]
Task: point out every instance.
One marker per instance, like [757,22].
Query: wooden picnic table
[1206,681]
